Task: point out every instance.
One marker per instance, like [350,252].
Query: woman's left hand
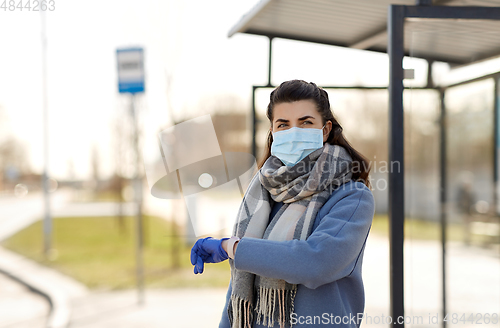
[207,250]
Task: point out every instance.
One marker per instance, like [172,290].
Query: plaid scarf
[303,189]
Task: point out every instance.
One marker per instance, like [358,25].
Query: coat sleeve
[329,253]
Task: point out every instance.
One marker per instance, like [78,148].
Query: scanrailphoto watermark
[364,318]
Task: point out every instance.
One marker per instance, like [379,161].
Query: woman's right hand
[207,250]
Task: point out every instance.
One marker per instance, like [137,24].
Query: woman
[298,242]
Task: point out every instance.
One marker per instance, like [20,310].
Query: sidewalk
[20,307]
[203,307]
[71,303]
[176,308]
[472,278]
[56,287]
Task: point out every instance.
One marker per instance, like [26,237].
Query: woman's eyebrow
[300,119]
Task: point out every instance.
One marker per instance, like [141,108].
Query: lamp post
[47,221]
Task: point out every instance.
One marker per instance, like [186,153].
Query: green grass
[95,252]
[106,196]
[419,229]
[85,196]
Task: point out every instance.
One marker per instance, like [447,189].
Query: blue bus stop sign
[130,63]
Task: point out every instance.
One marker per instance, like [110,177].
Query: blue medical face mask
[294,144]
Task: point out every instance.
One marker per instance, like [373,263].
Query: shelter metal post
[496,143]
[451,12]
[269,72]
[423,3]
[395,30]
[430,81]
[254,123]
[442,197]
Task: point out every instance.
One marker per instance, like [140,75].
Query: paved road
[18,213]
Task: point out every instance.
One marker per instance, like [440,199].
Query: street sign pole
[131,80]
[138,199]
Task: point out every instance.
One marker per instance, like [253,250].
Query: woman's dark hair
[296,90]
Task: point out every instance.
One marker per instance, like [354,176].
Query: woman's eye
[309,122]
[281,125]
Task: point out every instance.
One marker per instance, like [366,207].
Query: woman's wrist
[230,245]
[224,244]
[235,246]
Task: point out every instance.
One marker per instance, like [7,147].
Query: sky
[183,39]
[185,43]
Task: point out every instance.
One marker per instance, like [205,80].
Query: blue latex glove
[207,250]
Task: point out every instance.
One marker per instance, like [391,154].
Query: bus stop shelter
[384,26]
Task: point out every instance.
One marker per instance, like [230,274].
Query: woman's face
[302,114]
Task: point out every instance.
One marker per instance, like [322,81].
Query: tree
[13,152]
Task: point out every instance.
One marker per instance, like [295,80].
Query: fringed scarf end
[275,305]
[239,312]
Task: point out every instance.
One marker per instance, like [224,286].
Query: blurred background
[99,249]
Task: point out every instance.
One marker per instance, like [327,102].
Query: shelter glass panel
[451,138]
